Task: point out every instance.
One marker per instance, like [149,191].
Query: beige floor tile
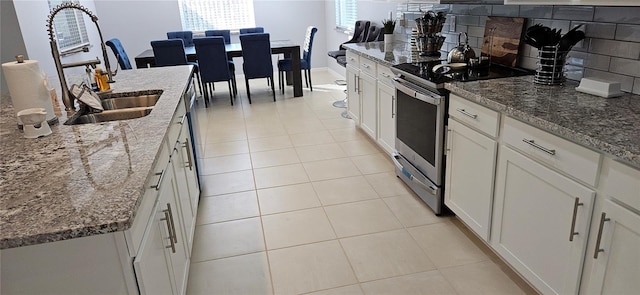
[280,175]
[387,184]
[270,143]
[240,275]
[344,190]
[325,111]
[347,134]
[480,278]
[359,148]
[375,163]
[423,283]
[330,169]
[338,122]
[226,183]
[230,238]
[225,133]
[309,268]
[296,228]
[226,148]
[412,211]
[265,130]
[224,164]
[274,158]
[361,218]
[312,138]
[346,290]
[446,245]
[383,255]
[319,152]
[227,207]
[287,198]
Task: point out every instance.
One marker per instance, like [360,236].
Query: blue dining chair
[224,33]
[186,36]
[256,53]
[214,66]
[285,65]
[256,30]
[171,53]
[121,55]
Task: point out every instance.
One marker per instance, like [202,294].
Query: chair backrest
[256,53]
[251,30]
[186,36]
[226,34]
[169,52]
[372,34]
[212,59]
[121,55]
[308,44]
[359,31]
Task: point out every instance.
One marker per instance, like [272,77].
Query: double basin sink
[119,106]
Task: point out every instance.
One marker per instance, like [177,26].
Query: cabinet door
[353,93]
[153,265]
[616,268]
[471,159]
[184,182]
[368,99]
[541,222]
[169,198]
[386,117]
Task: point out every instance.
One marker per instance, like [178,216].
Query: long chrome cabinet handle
[186,146]
[184,117]
[157,185]
[603,219]
[172,244]
[393,106]
[173,224]
[464,112]
[576,204]
[532,143]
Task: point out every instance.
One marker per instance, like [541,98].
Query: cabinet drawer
[179,118]
[353,59]
[624,184]
[385,75]
[479,117]
[368,66]
[566,156]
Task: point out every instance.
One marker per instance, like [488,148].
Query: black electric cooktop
[424,74]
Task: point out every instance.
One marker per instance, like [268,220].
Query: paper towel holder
[67,98]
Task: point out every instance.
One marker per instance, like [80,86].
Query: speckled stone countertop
[86,179]
[399,52]
[610,125]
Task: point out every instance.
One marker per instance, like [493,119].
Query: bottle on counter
[101,80]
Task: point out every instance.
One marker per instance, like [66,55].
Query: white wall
[11,39]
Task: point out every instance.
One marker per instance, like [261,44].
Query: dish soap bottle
[101,79]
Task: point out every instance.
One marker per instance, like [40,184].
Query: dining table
[290,50]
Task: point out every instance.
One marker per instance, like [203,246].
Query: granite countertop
[609,125]
[83,180]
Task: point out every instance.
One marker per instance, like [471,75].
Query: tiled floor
[296,200]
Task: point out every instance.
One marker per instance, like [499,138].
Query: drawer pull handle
[157,185]
[603,219]
[470,115]
[532,143]
[186,146]
[182,120]
[366,66]
[386,75]
[576,204]
[166,218]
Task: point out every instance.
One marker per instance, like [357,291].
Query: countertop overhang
[83,180]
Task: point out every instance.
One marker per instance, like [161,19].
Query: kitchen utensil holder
[551,63]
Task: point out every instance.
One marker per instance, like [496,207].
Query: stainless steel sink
[119,106]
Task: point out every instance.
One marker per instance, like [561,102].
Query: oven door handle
[412,90]
[433,190]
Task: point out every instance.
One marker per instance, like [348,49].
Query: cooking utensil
[461,53]
[570,39]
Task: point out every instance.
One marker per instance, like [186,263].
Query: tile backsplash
[611,49]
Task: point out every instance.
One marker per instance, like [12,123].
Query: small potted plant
[388,26]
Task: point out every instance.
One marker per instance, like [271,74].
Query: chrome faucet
[67,98]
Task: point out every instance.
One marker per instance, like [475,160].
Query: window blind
[69,27]
[201,15]
[346,14]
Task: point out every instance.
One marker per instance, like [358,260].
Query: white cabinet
[541,222]
[574,2]
[353,93]
[368,100]
[471,159]
[185,181]
[386,117]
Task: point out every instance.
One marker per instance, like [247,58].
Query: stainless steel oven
[420,133]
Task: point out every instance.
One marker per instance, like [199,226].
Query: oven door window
[416,123]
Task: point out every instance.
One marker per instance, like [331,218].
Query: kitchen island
[102,208]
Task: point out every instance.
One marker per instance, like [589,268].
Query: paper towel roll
[27,87]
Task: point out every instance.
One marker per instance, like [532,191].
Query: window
[346,14]
[201,15]
[68,25]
